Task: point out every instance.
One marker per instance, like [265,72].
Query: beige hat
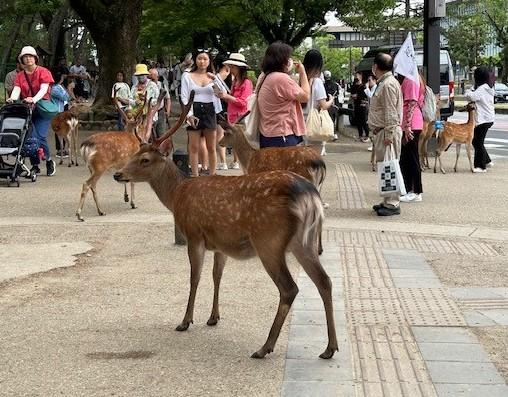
[28,50]
[236,59]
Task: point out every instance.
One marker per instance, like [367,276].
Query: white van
[447,82]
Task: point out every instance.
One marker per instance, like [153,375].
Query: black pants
[361,121]
[481,157]
[410,164]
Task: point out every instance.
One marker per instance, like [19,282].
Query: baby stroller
[15,128]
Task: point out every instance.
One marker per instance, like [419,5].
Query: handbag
[319,125]
[46,108]
[389,175]
[251,130]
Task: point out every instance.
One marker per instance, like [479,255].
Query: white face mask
[142,79]
[290,64]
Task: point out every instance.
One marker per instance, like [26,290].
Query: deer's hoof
[126,198]
[261,353]
[80,218]
[133,206]
[60,162]
[69,165]
[213,321]
[183,327]
[328,353]
[76,164]
[101,213]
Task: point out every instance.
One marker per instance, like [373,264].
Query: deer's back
[60,124]
[109,150]
[297,159]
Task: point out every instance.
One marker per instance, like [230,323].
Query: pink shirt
[411,92]
[280,113]
[238,107]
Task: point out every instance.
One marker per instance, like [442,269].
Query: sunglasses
[200,50]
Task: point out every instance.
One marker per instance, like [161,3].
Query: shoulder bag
[252,120]
[319,124]
[46,108]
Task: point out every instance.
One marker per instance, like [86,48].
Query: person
[33,84]
[222,80]
[319,99]
[240,91]
[78,73]
[385,117]
[144,91]
[360,107]
[11,77]
[483,96]
[413,95]
[61,97]
[335,90]
[164,108]
[279,98]
[61,68]
[122,91]
[371,86]
[202,117]
[180,68]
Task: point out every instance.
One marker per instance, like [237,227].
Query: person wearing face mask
[144,88]
[279,98]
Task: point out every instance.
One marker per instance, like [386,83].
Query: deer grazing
[111,150]
[458,134]
[265,214]
[66,125]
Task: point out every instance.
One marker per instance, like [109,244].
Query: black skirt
[205,112]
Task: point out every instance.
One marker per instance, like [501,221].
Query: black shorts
[205,112]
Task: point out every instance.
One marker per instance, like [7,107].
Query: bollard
[181,160]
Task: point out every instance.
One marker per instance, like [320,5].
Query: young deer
[65,125]
[111,150]
[458,134]
[264,214]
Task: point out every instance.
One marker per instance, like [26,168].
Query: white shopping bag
[389,175]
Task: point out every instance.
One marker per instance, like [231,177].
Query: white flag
[404,62]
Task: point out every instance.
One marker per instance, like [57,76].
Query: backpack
[429,107]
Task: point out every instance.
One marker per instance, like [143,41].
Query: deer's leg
[469,146]
[69,145]
[92,181]
[75,143]
[93,187]
[196,252]
[219,261]
[310,263]
[133,206]
[457,154]
[275,265]
[125,195]
[60,139]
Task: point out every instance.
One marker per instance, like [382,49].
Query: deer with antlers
[458,134]
[265,214]
[111,150]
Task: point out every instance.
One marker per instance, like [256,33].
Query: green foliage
[339,61]
[496,12]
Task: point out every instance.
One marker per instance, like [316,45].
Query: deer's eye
[144,161]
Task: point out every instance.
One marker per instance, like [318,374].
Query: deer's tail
[308,208]
[317,171]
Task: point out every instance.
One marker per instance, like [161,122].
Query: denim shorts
[279,141]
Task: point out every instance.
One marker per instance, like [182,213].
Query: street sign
[437,8]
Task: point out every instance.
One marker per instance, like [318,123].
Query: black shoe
[50,167]
[35,169]
[385,211]
[377,207]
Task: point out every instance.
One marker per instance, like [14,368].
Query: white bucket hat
[236,59]
[28,50]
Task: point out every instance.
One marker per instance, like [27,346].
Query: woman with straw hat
[33,84]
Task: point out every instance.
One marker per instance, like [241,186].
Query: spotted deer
[263,214]
[458,134]
[111,150]
[65,126]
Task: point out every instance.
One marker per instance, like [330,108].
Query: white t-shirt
[483,96]
[122,91]
[317,93]
[79,70]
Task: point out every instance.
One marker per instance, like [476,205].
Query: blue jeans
[119,122]
[40,127]
[279,141]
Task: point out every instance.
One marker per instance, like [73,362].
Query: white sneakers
[490,165]
[411,198]
[234,165]
[479,170]
[222,166]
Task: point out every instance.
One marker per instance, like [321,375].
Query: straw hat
[28,50]
[236,59]
[141,69]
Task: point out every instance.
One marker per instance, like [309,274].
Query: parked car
[447,83]
[501,94]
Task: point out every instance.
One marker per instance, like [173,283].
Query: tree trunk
[56,34]
[114,26]
[9,44]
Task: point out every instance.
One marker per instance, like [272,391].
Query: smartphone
[216,89]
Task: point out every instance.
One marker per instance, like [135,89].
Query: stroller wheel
[33,176]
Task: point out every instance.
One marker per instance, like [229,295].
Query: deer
[458,134]
[111,150]
[301,160]
[263,215]
[65,126]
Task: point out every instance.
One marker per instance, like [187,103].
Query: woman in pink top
[413,94]
[279,98]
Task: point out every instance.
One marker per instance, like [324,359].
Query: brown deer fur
[264,214]
[111,150]
[66,125]
[458,134]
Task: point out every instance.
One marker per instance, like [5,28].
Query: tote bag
[252,120]
[389,175]
[319,125]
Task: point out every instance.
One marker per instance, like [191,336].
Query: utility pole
[433,11]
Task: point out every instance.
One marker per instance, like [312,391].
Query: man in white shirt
[78,72]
